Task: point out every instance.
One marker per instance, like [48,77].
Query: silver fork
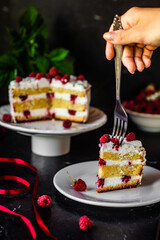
[120,116]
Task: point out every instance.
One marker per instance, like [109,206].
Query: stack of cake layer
[120,166]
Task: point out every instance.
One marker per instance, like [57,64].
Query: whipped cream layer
[30,82]
[123,162]
[126,147]
[114,181]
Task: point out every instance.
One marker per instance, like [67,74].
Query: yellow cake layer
[61,103]
[72,118]
[131,183]
[117,170]
[30,118]
[29,91]
[117,156]
[69,91]
[31,104]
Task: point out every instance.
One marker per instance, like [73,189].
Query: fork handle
[118,66]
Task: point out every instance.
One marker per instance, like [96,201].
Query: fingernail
[109,36]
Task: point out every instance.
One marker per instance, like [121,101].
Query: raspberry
[44,201]
[53,71]
[67,124]
[73,98]
[32,74]
[85,223]
[7,117]
[81,78]
[100,182]
[48,76]
[105,138]
[23,97]
[18,79]
[80,185]
[72,112]
[49,95]
[126,178]
[116,143]
[65,78]
[101,162]
[39,75]
[27,113]
[130,137]
[57,77]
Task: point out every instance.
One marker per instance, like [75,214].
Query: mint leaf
[65,66]
[58,54]
[42,64]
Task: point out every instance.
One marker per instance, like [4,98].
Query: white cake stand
[49,137]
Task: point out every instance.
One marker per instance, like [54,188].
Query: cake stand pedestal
[50,146]
[49,137]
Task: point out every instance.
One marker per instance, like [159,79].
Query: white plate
[96,119]
[145,194]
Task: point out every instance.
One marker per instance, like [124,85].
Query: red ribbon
[24,190]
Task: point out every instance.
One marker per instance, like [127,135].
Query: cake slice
[120,166]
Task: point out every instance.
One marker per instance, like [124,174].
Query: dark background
[79,25]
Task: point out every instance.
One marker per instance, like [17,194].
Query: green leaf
[42,64]
[58,54]
[65,66]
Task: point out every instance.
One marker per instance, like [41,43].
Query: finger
[138,58]
[146,57]
[109,50]
[127,59]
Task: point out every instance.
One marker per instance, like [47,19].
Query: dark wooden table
[63,216]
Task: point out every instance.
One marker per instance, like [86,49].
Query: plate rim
[103,204]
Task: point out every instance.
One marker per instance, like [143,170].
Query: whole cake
[46,96]
[120,166]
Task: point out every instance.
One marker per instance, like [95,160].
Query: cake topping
[105,138]
[18,79]
[53,71]
[39,75]
[81,78]
[101,162]
[57,77]
[85,223]
[65,78]
[67,124]
[130,137]
[7,117]
[32,74]
[116,143]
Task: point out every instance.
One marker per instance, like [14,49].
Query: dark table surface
[63,216]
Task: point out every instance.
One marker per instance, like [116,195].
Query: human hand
[140,37]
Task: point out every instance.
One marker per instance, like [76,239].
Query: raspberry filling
[49,96]
[23,97]
[72,112]
[126,178]
[101,162]
[27,113]
[100,182]
[73,98]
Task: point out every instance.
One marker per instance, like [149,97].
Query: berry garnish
[126,178]
[65,79]
[7,117]
[48,76]
[105,138]
[85,223]
[101,162]
[78,185]
[18,79]
[81,78]
[67,124]
[57,77]
[100,182]
[72,112]
[44,201]
[130,137]
[116,143]
[39,75]
[53,71]
[73,98]
[23,97]
[27,113]
[32,74]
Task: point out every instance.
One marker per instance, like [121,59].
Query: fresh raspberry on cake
[81,78]
[32,74]
[65,78]
[57,77]
[53,71]
[7,117]
[39,75]
[44,201]
[105,138]
[85,223]
[130,137]
[18,79]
